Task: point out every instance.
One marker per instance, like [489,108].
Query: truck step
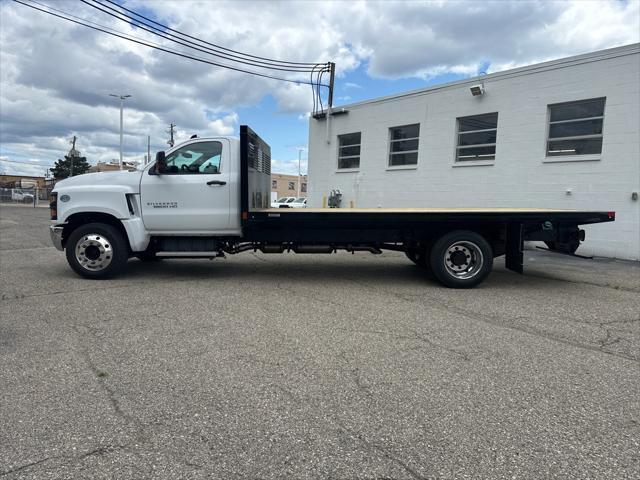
[187,244]
[187,254]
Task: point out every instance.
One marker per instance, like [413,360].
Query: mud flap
[514,259]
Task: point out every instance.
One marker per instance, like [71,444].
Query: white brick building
[560,134]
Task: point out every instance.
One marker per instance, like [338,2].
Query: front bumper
[56,236]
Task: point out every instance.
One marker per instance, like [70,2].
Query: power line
[162,32]
[209,43]
[319,80]
[125,36]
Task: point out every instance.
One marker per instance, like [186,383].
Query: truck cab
[194,189]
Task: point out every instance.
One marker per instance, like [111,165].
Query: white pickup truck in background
[22,196]
[290,202]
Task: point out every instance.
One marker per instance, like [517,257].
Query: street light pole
[122,98]
[299,171]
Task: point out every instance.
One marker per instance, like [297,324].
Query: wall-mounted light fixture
[477,89]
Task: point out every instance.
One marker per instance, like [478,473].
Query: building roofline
[565,62]
[20,175]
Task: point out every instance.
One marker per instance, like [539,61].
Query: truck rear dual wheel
[97,250]
[461,259]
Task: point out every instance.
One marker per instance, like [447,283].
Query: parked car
[300,202]
[18,195]
[282,201]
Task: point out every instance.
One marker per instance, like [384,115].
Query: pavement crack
[494,320]
[138,428]
[385,452]
[357,380]
[575,282]
[288,393]
[414,336]
[621,322]
[99,375]
[609,338]
[356,377]
[25,466]
[20,296]
[102,450]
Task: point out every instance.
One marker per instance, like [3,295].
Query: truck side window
[195,158]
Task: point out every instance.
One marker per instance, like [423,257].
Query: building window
[477,137]
[403,145]
[274,184]
[292,185]
[575,128]
[349,150]
[303,188]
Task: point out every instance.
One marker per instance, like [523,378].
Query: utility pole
[170,131]
[332,77]
[72,155]
[122,99]
[148,148]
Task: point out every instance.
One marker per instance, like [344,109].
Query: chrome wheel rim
[94,252]
[463,260]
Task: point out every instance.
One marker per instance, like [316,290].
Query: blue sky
[61,87]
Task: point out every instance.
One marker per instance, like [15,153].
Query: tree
[62,168]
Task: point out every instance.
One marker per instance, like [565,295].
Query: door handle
[216,182]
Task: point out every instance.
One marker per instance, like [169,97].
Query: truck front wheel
[461,259]
[97,250]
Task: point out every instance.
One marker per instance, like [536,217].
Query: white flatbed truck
[208,197]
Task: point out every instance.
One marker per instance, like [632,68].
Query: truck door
[193,193]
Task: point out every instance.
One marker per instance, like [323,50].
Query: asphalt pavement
[310,366]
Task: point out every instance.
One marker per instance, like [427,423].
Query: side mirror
[161,163]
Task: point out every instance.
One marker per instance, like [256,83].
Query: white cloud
[56,77]
[426,39]
[289,167]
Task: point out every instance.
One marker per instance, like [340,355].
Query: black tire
[106,241]
[461,259]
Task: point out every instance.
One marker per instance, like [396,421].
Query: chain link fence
[35,197]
